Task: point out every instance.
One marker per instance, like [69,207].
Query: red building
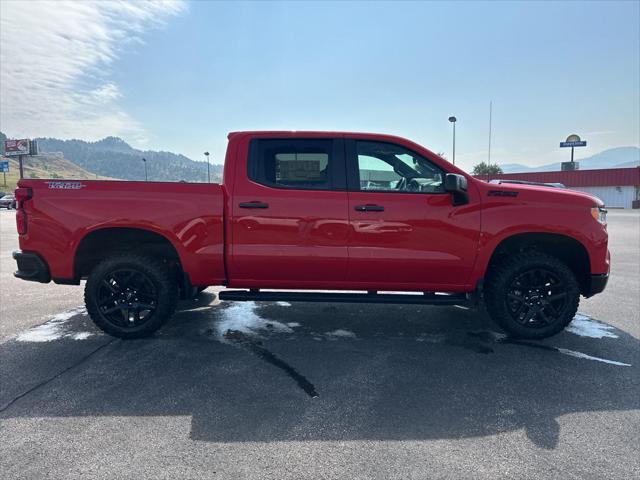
[616,187]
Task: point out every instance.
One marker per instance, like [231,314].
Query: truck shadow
[377,372]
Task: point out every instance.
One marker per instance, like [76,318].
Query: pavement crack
[258,350]
[57,375]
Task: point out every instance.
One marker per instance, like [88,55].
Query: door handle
[369,208]
[254,204]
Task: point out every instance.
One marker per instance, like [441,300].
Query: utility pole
[144,160]
[206,154]
[490,112]
[453,120]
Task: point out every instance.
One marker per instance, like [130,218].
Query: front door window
[385,167]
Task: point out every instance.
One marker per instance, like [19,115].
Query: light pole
[206,154]
[144,160]
[490,115]
[454,120]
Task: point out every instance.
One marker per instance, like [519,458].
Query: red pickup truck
[376,215]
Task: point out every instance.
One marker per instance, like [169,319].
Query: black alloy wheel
[531,294]
[536,298]
[127,298]
[130,295]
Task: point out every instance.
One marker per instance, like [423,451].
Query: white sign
[16,147]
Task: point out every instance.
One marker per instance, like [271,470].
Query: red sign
[16,147]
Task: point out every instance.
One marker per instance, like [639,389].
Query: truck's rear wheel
[532,295]
[131,295]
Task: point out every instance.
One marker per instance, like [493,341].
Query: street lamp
[206,154]
[454,120]
[144,160]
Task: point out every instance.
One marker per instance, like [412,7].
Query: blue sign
[581,143]
[4,167]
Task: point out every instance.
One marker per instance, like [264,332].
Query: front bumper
[597,284]
[31,267]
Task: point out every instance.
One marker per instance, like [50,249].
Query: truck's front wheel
[131,295]
[532,295]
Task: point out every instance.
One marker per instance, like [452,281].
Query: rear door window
[308,164]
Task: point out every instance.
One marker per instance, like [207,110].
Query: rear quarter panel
[190,216]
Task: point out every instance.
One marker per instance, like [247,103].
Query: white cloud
[599,133]
[105,93]
[55,60]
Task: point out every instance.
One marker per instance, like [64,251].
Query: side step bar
[372,297]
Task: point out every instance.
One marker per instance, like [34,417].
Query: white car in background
[8,202]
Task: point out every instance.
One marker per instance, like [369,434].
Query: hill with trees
[113,157]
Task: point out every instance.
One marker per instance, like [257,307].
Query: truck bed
[189,215]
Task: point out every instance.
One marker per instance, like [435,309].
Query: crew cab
[375,215]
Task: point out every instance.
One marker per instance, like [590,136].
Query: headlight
[599,214]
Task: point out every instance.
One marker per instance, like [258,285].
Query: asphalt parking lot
[319,390]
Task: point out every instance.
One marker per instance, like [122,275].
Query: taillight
[22,194]
[21,221]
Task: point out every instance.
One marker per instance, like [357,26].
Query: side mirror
[456,184]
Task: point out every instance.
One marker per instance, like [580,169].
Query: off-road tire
[157,276]
[499,294]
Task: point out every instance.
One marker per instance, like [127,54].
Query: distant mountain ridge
[115,158]
[620,157]
[44,166]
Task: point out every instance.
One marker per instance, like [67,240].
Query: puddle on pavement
[55,328]
[585,326]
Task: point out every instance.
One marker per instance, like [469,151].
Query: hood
[538,193]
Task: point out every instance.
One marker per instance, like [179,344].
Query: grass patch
[46,167]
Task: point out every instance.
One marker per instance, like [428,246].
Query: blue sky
[188,73]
